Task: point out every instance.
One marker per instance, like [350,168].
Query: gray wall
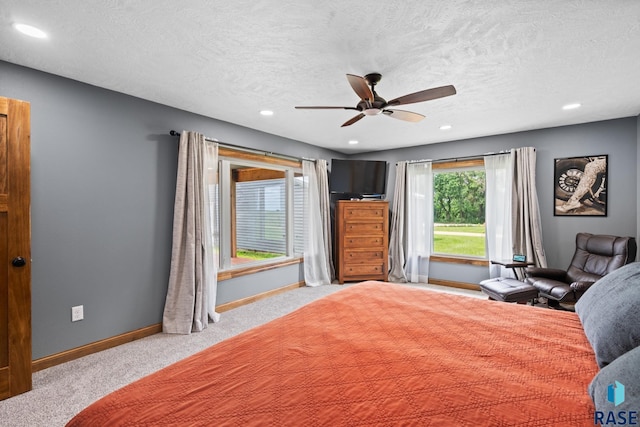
[620,139]
[103,181]
[103,175]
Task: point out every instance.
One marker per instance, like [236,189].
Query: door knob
[18,262]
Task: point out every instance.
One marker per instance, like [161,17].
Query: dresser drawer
[364,242]
[360,212]
[362,228]
[363,257]
[363,270]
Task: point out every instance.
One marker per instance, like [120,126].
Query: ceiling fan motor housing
[378,104]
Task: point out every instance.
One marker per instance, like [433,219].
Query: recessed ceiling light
[353,142]
[571,106]
[266,112]
[445,127]
[30,31]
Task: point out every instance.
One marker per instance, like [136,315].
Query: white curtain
[190,300]
[419,221]
[317,241]
[212,233]
[499,187]
[397,236]
[526,222]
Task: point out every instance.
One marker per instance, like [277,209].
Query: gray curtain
[325,212]
[396,238]
[192,280]
[526,222]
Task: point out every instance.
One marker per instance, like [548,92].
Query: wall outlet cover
[77,313]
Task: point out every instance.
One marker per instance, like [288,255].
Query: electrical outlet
[77,313]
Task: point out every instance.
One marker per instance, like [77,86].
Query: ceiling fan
[372,104]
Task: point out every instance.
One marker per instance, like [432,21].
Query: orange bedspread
[375,354]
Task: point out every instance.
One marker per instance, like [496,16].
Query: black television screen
[358,177]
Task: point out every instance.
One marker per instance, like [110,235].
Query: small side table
[513,265]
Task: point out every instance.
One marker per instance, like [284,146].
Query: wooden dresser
[362,240]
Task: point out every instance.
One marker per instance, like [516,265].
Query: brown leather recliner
[595,256]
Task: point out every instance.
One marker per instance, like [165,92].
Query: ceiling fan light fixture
[353,142]
[372,111]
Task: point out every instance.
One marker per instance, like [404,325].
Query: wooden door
[15,248]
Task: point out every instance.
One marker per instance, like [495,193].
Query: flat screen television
[358,178]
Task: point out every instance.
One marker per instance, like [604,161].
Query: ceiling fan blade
[424,95]
[352,120]
[360,86]
[328,108]
[404,115]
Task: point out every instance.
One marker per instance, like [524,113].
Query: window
[459,209]
[260,221]
[257,209]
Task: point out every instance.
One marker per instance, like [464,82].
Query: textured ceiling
[513,63]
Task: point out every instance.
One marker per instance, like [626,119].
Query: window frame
[230,156]
[453,165]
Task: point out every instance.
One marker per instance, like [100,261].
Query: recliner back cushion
[598,255]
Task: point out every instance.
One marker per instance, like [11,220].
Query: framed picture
[580,186]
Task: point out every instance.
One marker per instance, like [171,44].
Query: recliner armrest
[547,273]
[581,286]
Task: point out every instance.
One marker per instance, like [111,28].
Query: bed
[376,354]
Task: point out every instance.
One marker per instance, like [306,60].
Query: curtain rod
[250,150]
[450,159]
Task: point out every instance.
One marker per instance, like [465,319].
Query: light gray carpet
[62,391]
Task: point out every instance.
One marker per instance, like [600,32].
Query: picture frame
[580,185]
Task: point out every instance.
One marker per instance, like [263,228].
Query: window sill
[239,272]
[459,260]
